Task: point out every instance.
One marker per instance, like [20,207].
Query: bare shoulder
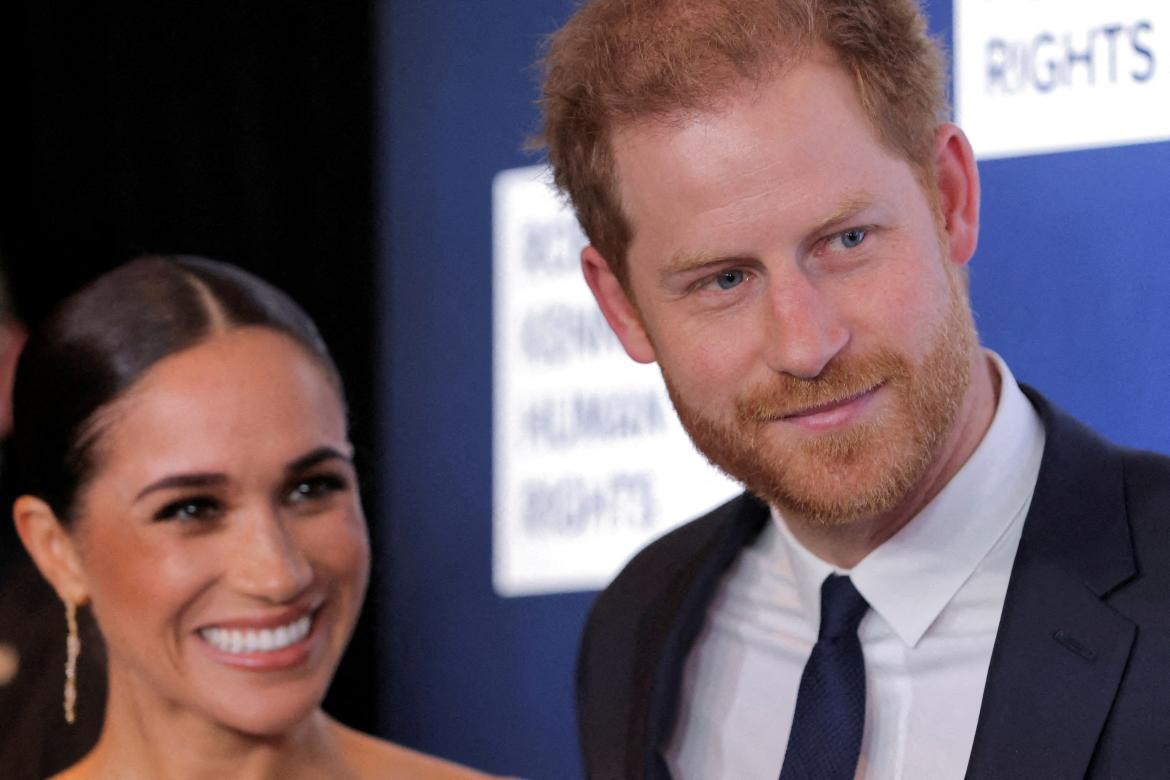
[372,758]
[82,770]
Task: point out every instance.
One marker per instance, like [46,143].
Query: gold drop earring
[72,651]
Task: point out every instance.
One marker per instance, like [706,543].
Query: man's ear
[52,548]
[957,178]
[617,307]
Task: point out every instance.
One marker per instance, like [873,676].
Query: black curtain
[241,131]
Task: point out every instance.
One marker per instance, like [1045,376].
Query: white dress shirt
[935,590]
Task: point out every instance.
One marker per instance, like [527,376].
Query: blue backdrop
[1070,284]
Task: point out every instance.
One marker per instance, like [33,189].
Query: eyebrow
[853,203]
[200,479]
[683,263]
[319,455]
[205,479]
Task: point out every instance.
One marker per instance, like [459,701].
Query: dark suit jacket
[1079,682]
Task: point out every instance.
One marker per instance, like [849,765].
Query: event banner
[1035,76]
[590,462]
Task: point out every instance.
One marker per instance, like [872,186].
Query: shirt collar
[911,578]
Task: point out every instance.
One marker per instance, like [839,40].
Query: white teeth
[264,640]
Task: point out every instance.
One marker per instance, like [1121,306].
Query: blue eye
[851,238]
[728,279]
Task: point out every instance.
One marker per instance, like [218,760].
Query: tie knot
[842,607]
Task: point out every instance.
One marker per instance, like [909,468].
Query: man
[934,573]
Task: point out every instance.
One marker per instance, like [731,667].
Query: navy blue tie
[825,741]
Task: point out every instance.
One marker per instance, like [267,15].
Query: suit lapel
[683,612]
[1061,651]
[1060,655]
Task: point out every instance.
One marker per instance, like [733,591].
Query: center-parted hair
[618,62]
[104,337]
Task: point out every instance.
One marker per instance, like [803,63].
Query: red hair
[617,62]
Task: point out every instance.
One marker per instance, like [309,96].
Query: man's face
[805,305]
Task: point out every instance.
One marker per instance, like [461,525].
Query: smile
[833,414]
[265,640]
[826,407]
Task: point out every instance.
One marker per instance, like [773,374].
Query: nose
[267,562]
[803,329]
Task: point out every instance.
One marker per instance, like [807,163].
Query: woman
[181,432]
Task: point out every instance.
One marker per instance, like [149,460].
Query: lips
[813,413]
[830,406]
[238,641]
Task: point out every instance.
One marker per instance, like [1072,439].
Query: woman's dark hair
[105,336]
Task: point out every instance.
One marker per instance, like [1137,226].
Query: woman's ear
[52,548]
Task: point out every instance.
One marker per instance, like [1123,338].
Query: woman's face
[221,539]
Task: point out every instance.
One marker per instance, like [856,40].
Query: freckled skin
[766,185]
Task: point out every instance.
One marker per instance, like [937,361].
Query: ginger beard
[862,471]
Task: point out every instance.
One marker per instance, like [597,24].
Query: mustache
[841,379]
